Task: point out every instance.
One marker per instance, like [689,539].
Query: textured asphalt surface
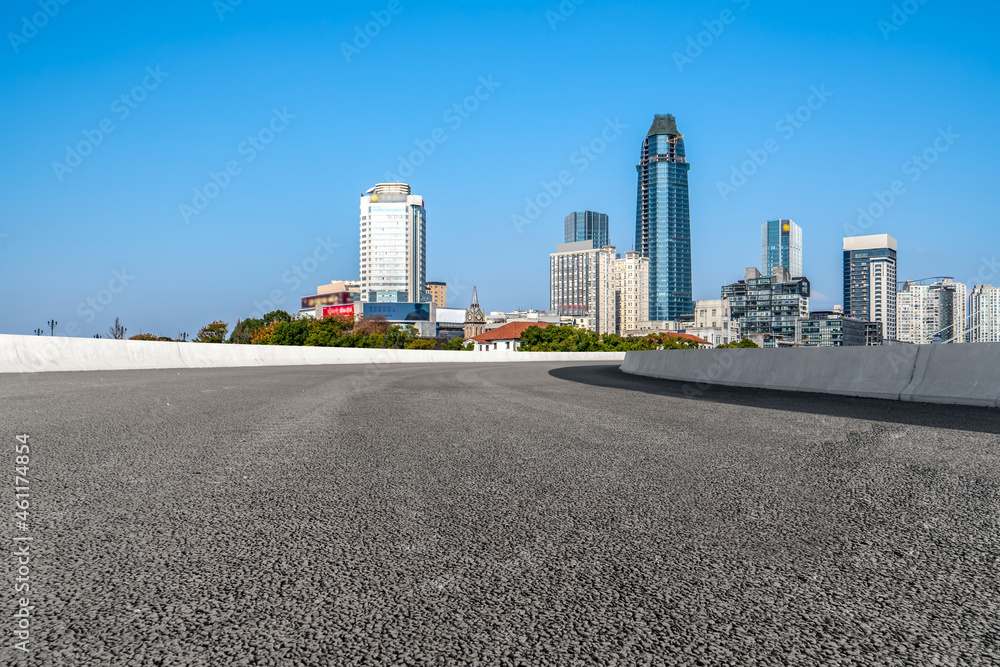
[497,514]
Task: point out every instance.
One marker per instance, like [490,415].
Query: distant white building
[713,322]
[931,311]
[393,245]
[984,314]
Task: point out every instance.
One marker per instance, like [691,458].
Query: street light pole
[38,332]
[52,325]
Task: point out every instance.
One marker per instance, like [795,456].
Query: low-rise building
[506,338]
[831,329]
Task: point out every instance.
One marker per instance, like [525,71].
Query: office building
[587,226]
[781,245]
[768,307]
[984,314]
[439,293]
[393,245]
[870,281]
[831,329]
[931,311]
[663,220]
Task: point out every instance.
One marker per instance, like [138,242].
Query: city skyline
[110,231]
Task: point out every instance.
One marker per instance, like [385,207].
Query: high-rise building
[931,311]
[587,226]
[439,293]
[870,281]
[768,306]
[984,314]
[781,245]
[581,284]
[393,245]
[631,284]
[663,220]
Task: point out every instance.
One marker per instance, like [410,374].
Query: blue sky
[105,234]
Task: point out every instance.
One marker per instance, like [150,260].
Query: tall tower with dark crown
[663,220]
[475,320]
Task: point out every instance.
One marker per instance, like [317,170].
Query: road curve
[498,514]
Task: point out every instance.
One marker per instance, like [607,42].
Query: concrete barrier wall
[959,374]
[33,354]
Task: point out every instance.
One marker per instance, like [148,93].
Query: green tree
[245,329]
[455,344]
[213,333]
[328,331]
[277,316]
[292,332]
[144,336]
[745,343]
[422,344]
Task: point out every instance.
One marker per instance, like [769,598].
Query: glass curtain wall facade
[769,304]
[587,226]
[781,245]
[870,281]
[663,220]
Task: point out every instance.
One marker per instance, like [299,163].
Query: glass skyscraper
[587,226]
[781,245]
[663,220]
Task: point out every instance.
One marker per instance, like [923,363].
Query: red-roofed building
[505,338]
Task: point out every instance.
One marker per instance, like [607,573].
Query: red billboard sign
[345,310]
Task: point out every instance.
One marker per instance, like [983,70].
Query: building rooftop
[663,124]
[509,331]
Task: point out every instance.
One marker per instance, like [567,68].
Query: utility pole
[52,325]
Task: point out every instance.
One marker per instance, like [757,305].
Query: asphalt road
[501,514]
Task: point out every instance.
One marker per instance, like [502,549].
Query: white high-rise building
[580,280]
[984,314]
[612,293]
[870,281]
[393,245]
[631,284]
[932,311]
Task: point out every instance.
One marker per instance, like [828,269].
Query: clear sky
[306,113]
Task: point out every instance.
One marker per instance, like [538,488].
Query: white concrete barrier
[33,354]
[966,374]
